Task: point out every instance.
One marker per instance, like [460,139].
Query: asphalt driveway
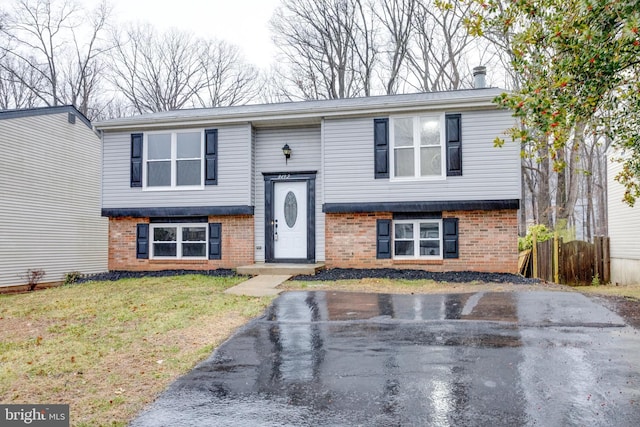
[343,359]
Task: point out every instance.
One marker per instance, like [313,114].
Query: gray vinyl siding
[488,173]
[253,167]
[624,221]
[305,156]
[50,199]
[233,189]
[624,231]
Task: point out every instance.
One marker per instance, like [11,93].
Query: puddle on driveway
[349,306]
[339,358]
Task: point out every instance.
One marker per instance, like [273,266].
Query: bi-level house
[401,181]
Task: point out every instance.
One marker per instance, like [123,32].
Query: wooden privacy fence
[572,263]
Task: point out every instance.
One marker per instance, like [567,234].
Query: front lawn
[108,348]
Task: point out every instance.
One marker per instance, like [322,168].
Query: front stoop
[259,286]
[280,269]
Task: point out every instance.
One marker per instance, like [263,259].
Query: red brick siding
[237,246]
[350,240]
[487,242]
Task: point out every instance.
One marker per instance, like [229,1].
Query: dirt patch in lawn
[109,348]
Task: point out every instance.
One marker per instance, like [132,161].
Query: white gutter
[297,113]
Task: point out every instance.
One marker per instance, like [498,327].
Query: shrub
[72,277]
[33,276]
[543,234]
[565,232]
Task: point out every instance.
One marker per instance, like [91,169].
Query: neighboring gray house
[49,195]
[624,230]
[400,181]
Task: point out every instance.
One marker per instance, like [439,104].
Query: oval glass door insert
[290,209]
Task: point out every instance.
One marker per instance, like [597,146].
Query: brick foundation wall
[350,240]
[237,246]
[488,242]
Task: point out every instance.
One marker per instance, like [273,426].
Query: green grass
[108,348]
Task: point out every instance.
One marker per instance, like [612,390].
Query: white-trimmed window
[417,144]
[420,238]
[174,160]
[179,241]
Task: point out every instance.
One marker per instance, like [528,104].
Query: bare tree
[364,40]
[568,177]
[228,79]
[155,72]
[58,42]
[115,107]
[13,92]
[594,187]
[538,186]
[83,76]
[3,19]
[172,70]
[440,46]
[397,17]
[321,43]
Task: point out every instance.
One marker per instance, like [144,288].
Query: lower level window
[417,239]
[179,241]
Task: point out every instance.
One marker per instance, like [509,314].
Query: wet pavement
[477,359]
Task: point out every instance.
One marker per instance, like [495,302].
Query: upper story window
[417,147]
[174,160]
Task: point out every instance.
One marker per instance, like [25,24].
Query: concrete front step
[259,286]
[280,269]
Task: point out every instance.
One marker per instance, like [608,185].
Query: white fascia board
[297,114]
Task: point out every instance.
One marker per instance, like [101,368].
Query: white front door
[290,220]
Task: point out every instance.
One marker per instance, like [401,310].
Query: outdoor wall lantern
[286,150]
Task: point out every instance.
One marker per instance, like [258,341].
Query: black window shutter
[215,240]
[142,241]
[383,237]
[211,156]
[136,160]
[454,145]
[381,147]
[450,237]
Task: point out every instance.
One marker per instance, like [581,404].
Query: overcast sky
[241,22]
